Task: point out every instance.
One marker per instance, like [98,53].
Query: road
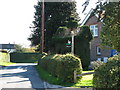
[20,76]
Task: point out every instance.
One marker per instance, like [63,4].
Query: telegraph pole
[42,38]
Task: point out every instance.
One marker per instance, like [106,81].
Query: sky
[16,17]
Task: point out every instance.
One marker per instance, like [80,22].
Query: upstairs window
[94,30]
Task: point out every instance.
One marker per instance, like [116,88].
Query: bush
[108,75]
[95,64]
[62,66]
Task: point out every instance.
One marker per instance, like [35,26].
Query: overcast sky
[16,17]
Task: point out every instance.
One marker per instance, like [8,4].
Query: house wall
[96,41]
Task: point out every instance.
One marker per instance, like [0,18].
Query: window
[94,30]
[99,59]
[98,50]
[105,59]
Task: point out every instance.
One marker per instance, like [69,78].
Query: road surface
[20,76]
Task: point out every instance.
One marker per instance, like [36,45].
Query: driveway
[20,76]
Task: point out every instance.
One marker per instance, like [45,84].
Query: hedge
[108,75]
[24,57]
[62,66]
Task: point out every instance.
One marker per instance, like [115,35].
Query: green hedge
[4,57]
[62,66]
[108,75]
[24,57]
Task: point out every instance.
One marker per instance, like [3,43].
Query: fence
[75,75]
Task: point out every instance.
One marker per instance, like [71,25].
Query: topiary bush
[62,66]
[108,75]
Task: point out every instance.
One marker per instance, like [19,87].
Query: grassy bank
[4,57]
[6,63]
[86,80]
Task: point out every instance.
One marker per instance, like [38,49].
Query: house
[97,51]
[8,47]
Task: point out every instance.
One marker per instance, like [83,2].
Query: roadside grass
[44,75]
[6,63]
[86,81]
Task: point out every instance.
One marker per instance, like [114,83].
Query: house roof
[6,46]
[87,17]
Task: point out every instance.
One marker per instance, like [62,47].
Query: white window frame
[94,30]
[105,59]
[98,50]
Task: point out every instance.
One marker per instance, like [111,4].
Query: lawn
[86,80]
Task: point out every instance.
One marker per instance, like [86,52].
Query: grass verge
[44,75]
[6,63]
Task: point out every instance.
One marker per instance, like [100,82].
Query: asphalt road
[20,76]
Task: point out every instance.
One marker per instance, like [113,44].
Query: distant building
[97,52]
[8,47]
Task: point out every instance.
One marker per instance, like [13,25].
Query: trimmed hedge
[24,57]
[62,66]
[108,75]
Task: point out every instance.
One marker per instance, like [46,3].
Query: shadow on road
[24,73]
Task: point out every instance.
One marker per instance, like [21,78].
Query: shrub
[95,64]
[108,75]
[62,66]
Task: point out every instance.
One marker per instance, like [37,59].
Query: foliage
[44,75]
[111,34]
[24,57]
[62,66]
[82,44]
[56,14]
[72,23]
[108,75]
[108,13]
[19,48]
[61,32]
[4,57]
[95,64]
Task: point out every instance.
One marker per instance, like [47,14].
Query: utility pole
[72,48]
[42,38]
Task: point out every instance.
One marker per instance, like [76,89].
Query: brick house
[97,52]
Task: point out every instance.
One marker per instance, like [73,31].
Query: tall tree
[111,30]
[56,14]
